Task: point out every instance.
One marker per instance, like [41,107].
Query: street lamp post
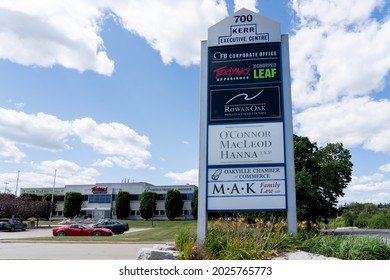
[52,196]
[17,183]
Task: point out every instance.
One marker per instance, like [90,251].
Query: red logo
[98,189]
[229,72]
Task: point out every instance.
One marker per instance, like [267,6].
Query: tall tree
[122,205]
[8,205]
[173,204]
[147,205]
[72,204]
[321,174]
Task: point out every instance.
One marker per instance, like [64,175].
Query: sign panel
[246,103]
[244,64]
[246,174]
[244,27]
[260,188]
[245,141]
[244,144]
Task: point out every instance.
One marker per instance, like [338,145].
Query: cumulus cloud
[338,61]
[34,130]
[186,177]
[336,54]
[121,145]
[372,188]
[173,28]
[247,4]
[9,152]
[125,147]
[352,121]
[67,172]
[68,33]
[47,33]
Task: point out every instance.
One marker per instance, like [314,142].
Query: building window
[187,212]
[134,213]
[187,196]
[135,197]
[99,198]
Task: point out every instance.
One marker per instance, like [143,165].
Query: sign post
[246,148]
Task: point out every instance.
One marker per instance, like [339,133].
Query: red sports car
[81,230]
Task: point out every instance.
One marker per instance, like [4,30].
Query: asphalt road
[10,249]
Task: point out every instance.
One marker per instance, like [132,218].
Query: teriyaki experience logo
[229,73]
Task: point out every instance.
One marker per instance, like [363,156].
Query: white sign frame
[230,28]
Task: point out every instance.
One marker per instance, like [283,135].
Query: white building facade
[99,198]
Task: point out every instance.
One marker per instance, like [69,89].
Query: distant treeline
[362,215]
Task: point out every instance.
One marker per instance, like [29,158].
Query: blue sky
[106,90]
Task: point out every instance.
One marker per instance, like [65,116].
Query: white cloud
[336,54]
[111,138]
[374,188]
[9,152]
[338,60]
[173,28]
[66,172]
[247,4]
[65,168]
[34,130]
[122,145]
[385,168]
[18,105]
[47,33]
[352,121]
[186,177]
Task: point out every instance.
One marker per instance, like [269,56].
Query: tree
[72,204]
[8,205]
[321,176]
[32,196]
[122,205]
[147,205]
[194,205]
[48,197]
[173,204]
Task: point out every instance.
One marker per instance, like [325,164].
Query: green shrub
[236,240]
[185,241]
[349,247]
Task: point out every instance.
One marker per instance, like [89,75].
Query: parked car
[81,230]
[12,224]
[115,226]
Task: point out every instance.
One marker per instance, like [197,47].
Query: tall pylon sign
[246,137]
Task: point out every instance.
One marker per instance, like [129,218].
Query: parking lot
[41,232]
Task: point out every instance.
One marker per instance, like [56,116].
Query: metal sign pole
[202,213]
[290,172]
